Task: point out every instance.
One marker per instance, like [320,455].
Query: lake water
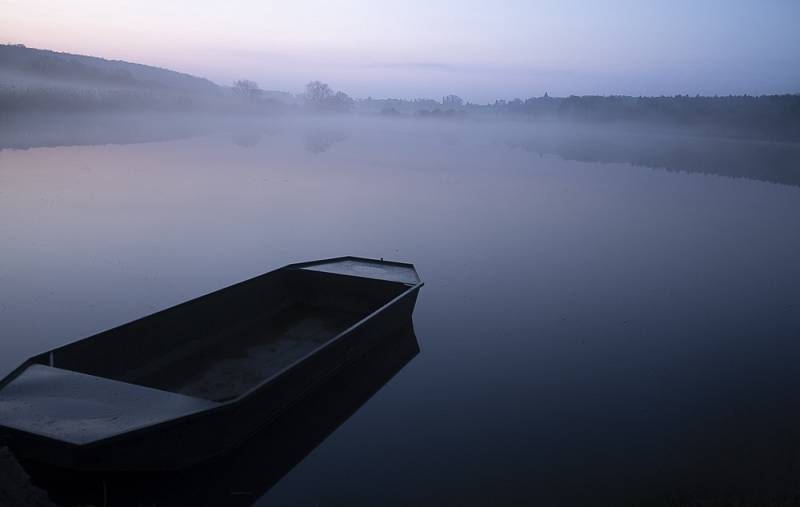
[608,316]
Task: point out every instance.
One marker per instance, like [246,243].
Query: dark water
[607,317]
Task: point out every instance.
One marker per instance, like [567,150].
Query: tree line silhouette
[47,81]
[774,117]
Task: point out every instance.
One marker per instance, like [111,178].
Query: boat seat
[367,269]
[80,408]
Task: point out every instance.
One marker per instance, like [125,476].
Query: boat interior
[219,346]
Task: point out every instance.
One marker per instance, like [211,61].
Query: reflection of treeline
[756,160]
[36,129]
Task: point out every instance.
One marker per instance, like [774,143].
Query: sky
[480,50]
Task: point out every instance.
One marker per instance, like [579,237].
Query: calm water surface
[601,321]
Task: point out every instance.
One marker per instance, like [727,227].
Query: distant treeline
[775,117]
[42,80]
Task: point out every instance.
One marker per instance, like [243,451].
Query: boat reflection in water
[242,476]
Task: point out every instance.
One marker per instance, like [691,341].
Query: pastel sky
[481,50]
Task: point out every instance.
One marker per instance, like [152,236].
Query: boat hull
[181,441]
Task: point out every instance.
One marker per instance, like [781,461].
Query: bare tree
[452,101]
[247,89]
[317,93]
[321,97]
[341,102]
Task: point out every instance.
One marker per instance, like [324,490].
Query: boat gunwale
[226,404]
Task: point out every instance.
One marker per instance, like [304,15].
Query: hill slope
[23,66]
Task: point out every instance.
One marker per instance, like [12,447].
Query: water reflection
[320,140]
[601,330]
[240,478]
[43,130]
[246,138]
[645,147]
[756,160]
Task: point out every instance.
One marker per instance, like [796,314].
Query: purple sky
[481,50]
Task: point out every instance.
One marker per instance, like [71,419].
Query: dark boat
[244,475]
[196,380]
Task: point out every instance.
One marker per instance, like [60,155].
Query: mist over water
[610,314]
[601,199]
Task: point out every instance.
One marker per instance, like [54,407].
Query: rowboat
[246,473]
[196,380]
